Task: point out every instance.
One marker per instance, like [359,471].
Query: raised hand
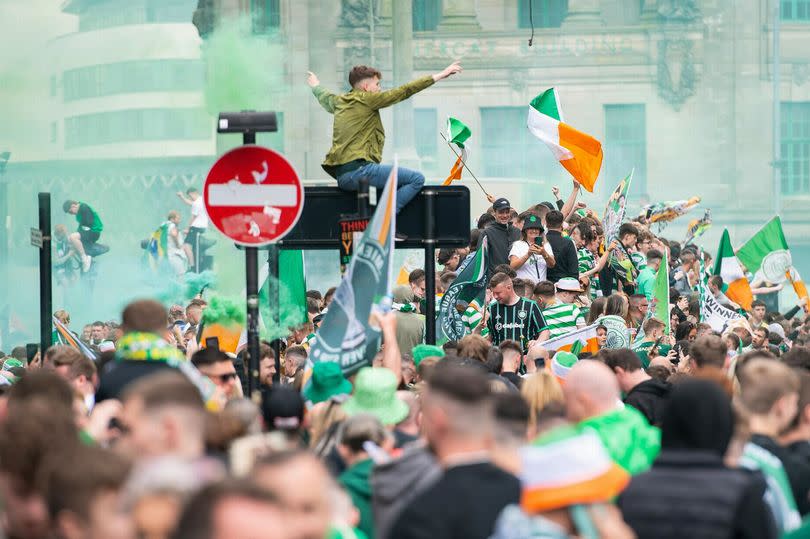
[312,79]
[452,69]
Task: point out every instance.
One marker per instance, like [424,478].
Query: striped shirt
[562,318]
[471,318]
[639,260]
[521,322]
[587,261]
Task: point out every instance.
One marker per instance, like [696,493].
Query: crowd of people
[668,429]
[664,426]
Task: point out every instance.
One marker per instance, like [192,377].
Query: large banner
[616,209]
[469,290]
[345,335]
[714,314]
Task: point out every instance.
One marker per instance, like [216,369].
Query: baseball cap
[283,409]
[501,204]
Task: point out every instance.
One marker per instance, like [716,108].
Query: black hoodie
[500,239]
[650,398]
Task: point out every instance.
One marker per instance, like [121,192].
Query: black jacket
[796,469]
[692,494]
[463,504]
[565,255]
[499,241]
[650,398]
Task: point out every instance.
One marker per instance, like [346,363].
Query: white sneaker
[86,261]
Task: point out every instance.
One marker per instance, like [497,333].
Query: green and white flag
[292,294]
[345,335]
[661,295]
[767,252]
[468,290]
[616,209]
[457,132]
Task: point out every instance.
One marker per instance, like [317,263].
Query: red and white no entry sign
[253,195]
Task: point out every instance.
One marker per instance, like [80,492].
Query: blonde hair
[539,390]
[322,417]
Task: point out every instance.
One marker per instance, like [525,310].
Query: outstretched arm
[324,96]
[184,198]
[568,207]
[381,100]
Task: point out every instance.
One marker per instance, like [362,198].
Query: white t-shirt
[535,268]
[198,212]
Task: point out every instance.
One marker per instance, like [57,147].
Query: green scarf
[147,347]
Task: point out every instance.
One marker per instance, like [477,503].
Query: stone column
[402,43]
[459,16]
[583,13]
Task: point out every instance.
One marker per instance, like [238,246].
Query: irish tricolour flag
[734,282]
[580,154]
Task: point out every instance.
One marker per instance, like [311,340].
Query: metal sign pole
[252,293]
[430,266]
[45,280]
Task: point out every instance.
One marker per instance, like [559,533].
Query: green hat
[375,393]
[562,363]
[533,221]
[326,382]
[421,351]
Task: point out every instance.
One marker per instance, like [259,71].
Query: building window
[54,132]
[622,12]
[426,14]
[625,147]
[507,147]
[136,125]
[795,148]
[109,13]
[795,10]
[133,77]
[266,16]
[426,134]
[545,13]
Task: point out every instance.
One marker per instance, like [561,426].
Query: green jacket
[357,131]
[630,440]
[356,482]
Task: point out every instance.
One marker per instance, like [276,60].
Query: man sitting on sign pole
[358,136]
[90,228]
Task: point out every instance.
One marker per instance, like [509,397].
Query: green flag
[469,289]
[457,132]
[768,252]
[661,294]
[292,294]
[293,285]
[616,209]
[345,335]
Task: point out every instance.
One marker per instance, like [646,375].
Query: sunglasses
[223,378]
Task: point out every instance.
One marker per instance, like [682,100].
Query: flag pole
[463,163]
